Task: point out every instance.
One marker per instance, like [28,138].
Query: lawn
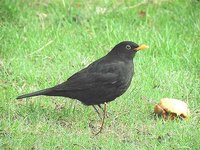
[44,42]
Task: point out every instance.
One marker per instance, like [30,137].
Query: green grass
[45,42]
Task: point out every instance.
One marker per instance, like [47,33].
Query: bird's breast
[125,77]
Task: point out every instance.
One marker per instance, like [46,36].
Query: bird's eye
[128,47]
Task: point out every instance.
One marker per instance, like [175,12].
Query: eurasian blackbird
[102,81]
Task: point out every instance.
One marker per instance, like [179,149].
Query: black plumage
[102,81]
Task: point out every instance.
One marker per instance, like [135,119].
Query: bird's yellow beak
[141,47]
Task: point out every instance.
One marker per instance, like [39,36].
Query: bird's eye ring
[128,47]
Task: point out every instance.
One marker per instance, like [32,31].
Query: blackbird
[102,81]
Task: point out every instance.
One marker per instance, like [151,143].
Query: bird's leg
[107,113]
[104,114]
[97,111]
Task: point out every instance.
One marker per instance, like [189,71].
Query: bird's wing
[88,80]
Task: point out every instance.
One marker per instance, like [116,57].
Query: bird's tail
[37,93]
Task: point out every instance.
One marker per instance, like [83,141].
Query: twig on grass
[40,48]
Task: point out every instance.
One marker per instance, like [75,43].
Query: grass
[45,42]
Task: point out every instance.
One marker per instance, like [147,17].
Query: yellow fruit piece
[174,107]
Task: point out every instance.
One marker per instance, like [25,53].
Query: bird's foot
[105,115]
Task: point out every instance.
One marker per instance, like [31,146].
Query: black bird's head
[127,49]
